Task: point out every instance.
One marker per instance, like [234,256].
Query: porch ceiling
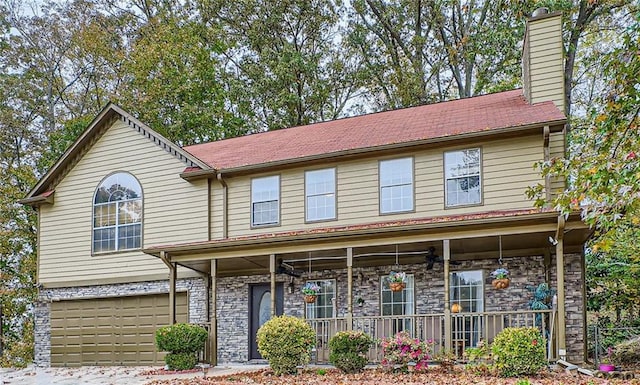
[485,247]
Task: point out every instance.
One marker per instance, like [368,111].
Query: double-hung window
[396,185]
[117,214]
[467,291]
[265,201]
[398,304]
[320,194]
[462,177]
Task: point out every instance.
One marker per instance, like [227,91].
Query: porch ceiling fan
[431,258]
[285,268]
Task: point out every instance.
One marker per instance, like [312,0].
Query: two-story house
[137,232]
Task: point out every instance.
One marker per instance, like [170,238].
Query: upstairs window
[117,214]
[265,201]
[462,177]
[396,185]
[320,194]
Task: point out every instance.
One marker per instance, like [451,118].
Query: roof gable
[445,120]
[91,134]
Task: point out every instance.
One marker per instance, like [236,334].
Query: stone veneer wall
[195,287]
[233,297]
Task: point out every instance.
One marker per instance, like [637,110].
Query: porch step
[567,365]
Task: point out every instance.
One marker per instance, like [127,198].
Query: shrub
[347,350]
[181,361]
[181,338]
[519,351]
[182,341]
[286,342]
[401,350]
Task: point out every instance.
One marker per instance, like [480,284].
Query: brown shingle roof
[446,119]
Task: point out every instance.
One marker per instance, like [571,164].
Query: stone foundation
[233,296]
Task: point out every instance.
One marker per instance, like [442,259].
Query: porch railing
[467,329]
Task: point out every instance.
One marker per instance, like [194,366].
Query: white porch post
[562,339]
[446,251]
[349,288]
[213,328]
[272,270]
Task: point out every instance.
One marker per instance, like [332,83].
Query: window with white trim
[117,214]
[323,307]
[320,194]
[462,177]
[396,185]
[398,303]
[265,201]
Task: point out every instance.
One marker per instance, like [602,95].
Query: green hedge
[182,341]
[519,351]
[286,342]
[348,350]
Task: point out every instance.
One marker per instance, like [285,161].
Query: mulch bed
[378,377]
[163,371]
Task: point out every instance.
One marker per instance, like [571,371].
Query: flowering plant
[608,359]
[500,273]
[399,277]
[402,350]
[310,288]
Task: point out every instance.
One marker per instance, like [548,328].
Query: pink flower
[631,155]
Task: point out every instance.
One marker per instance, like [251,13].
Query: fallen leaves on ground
[378,377]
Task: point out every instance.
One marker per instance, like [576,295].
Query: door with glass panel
[467,297]
[394,306]
[260,312]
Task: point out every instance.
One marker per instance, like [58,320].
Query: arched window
[117,214]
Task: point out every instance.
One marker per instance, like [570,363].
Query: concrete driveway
[102,375]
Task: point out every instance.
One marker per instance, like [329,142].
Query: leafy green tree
[284,60]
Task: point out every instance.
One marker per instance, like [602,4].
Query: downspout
[225,206]
[172,286]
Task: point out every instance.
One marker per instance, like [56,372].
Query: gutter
[336,234]
[547,156]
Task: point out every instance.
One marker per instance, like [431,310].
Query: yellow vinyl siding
[557,150]
[174,211]
[544,54]
[507,171]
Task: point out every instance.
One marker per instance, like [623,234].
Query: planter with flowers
[397,281]
[500,278]
[310,291]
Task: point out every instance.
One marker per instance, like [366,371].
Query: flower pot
[396,286]
[606,368]
[308,298]
[500,283]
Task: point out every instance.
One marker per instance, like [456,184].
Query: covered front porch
[448,299]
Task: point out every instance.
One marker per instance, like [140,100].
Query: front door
[260,312]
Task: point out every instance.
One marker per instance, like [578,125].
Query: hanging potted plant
[397,281]
[500,278]
[310,291]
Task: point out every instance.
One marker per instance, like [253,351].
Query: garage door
[110,331]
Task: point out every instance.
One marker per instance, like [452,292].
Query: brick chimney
[542,58]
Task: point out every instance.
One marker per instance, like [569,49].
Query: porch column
[349,288]
[172,286]
[562,339]
[213,328]
[272,269]
[446,252]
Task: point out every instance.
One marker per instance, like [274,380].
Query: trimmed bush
[182,341]
[286,342]
[181,361]
[519,351]
[401,350]
[348,350]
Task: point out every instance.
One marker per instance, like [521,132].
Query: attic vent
[540,12]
